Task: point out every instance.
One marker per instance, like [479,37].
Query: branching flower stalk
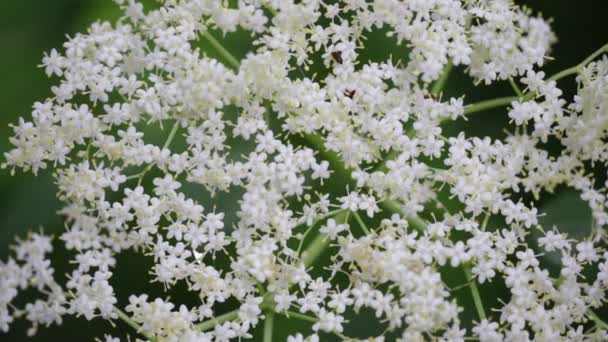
[332,169]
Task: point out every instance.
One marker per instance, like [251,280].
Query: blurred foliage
[30,27]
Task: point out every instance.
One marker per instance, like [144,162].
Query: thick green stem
[268,326]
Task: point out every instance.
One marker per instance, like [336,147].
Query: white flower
[332,229]
[260,139]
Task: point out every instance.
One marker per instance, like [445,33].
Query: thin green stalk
[125,318]
[302,317]
[171,135]
[598,321]
[503,101]
[140,176]
[486,219]
[314,223]
[577,68]
[130,322]
[564,73]
[475,293]
[440,83]
[361,223]
[515,87]
[222,50]
[489,104]
[211,323]
[594,55]
[268,326]
[301,243]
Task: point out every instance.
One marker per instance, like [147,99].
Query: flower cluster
[267,129]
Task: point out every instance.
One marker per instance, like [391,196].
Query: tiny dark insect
[337,55]
[350,93]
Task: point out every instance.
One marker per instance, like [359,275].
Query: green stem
[301,243]
[141,175]
[564,73]
[314,223]
[489,104]
[577,68]
[319,244]
[475,293]
[130,322]
[211,323]
[361,223]
[171,135]
[268,326]
[222,50]
[125,318]
[414,221]
[598,321]
[594,55]
[503,101]
[440,83]
[515,87]
[302,317]
[332,157]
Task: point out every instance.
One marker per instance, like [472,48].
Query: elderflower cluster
[275,133]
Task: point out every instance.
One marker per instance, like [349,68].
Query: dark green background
[30,27]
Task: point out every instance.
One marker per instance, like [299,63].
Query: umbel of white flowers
[373,126]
